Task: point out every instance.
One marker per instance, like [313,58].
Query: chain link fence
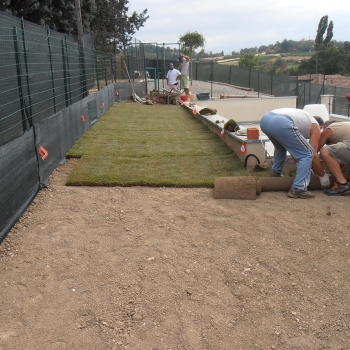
[310,93]
[52,91]
[263,83]
[43,71]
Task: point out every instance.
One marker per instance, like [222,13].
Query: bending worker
[289,130]
[334,132]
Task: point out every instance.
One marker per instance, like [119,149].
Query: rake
[134,96]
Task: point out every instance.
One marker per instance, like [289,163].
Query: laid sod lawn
[134,144]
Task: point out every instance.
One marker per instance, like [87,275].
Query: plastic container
[184,98]
[252,133]
[203,96]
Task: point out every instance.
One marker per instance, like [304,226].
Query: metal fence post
[324,80]
[68,71]
[128,65]
[212,77]
[118,70]
[271,85]
[19,77]
[297,87]
[258,84]
[51,68]
[82,74]
[30,119]
[144,67]
[229,76]
[157,67]
[142,53]
[132,63]
[164,69]
[97,75]
[310,89]
[112,70]
[105,69]
[250,73]
[65,73]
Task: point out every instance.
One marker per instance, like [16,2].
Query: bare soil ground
[166,268]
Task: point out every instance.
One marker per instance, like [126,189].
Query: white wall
[247,109]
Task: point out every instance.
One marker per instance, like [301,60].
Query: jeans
[285,136]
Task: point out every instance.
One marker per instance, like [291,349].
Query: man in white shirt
[172,77]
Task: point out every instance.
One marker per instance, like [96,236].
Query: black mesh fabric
[48,142]
[19,179]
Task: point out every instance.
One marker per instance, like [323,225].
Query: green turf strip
[134,144]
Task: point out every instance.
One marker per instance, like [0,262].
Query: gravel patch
[215,89]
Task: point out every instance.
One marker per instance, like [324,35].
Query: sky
[234,25]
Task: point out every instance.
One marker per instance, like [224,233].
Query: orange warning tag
[194,110]
[222,132]
[117,92]
[103,105]
[82,118]
[182,103]
[43,153]
[243,148]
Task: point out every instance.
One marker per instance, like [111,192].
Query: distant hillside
[264,59]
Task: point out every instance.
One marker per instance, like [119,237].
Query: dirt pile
[157,97]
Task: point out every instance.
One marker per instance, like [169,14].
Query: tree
[333,61]
[201,53]
[59,15]
[320,43]
[249,60]
[192,41]
[285,45]
[277,47]
[106,19]
[329,34]
[322,26]
[321,30]
[262,48]
[79,22]
[346,46]
[111,25]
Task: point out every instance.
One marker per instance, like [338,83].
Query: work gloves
[324,180]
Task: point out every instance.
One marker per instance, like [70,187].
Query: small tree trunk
[79,23]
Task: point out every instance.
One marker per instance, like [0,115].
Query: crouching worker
[289,130]
[335,156]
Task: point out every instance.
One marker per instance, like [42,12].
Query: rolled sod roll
[238,187]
